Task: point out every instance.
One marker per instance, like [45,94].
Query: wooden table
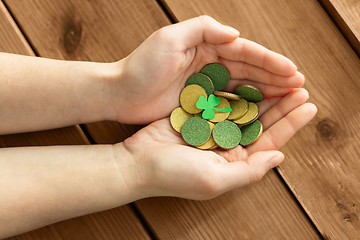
[314,194]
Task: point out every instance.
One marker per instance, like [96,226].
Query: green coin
[201,80]
[218,74]
[227,134]
[249,93]
[196,131]
[251,133]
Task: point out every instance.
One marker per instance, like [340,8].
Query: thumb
[241,173]
[194,31]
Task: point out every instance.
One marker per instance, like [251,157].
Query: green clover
[209,106]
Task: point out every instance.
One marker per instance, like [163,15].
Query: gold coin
[219,116]
[211,142]
[250,115]
[214,147]
[227,95]
[178,117]
[239,109]
[189,97]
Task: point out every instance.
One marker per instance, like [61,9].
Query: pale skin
[43,185]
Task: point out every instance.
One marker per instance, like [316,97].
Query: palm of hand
[162,78]
[171,168]
[156,72]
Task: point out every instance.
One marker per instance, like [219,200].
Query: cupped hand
[166,166]
[152,77]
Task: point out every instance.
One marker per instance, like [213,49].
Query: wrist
[104,79]
[132,178]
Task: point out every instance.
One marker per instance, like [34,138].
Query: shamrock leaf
[208,106]
[208,114]
[202,103]
[213,101]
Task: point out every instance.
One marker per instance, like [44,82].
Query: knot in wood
[72,35]
[327,128]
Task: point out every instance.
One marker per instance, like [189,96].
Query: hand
[152,77]
[166,166]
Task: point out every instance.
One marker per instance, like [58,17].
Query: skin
[42,185]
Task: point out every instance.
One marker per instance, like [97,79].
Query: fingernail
[232,30]
[300,75]
[276,160]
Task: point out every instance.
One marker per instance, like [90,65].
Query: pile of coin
[209,118]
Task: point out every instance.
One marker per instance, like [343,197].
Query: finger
[279,133]
[252,53]
[237,174]
[192,32]
[233,155]
[242,70]
[293,100]
[266,89]
[267,103]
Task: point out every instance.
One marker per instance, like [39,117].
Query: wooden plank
[43,30]
[346,14]
[263,210]
[110,132]
[322,166]
[11,39]
[103,31]
[112,224]
[64,136]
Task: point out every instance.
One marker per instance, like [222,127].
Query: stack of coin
[209,118]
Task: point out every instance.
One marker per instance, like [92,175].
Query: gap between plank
[298,203]
[338,24]
[87,134]
[166,9]
[143,221]
[20,29]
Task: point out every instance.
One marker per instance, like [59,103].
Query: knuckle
[162,33]
[205,18]
[210,185]
[165,36]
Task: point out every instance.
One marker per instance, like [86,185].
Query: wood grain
[90,30]
[113,224]
[263,210]
[346,14]
[322,166]
[105,34]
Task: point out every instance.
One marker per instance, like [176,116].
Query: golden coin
[219,116]
[210,143]
[178,117]
[189,97]
[239,109]
[214,147]
[227,95]
[250,115]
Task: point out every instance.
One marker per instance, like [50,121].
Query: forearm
[40,186]
[38,93]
